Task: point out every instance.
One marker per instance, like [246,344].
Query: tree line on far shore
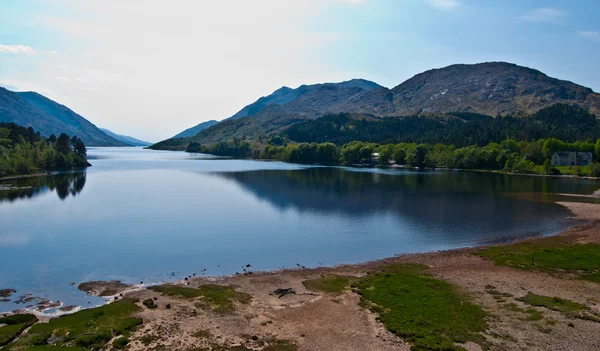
[509,155]
[25,151]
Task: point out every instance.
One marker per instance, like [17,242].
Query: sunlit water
[141,215]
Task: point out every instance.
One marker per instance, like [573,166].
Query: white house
[572,158]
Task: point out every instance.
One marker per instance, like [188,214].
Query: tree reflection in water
[65,184]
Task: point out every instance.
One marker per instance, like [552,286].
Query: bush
[595,170]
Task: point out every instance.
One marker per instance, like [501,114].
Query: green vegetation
[425,311]
[554,303]
[23,151]
[18,319]
[15,324]
[233,148]
[149,303]
[329,284]
[120,343]
[89,329]
[220,298]
[552,255]
[565,122]
[532,315]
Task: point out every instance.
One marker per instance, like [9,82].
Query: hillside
[487,88]
[126,139]
[31,109]
[196,129]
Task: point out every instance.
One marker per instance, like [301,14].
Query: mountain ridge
[490,88]
[31,109]
[125,138]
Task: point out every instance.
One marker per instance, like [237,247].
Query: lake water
[142,215]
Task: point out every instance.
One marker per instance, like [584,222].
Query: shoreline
[589,213]
[320,320]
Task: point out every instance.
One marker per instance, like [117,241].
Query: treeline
[233,148]
[24,151]
[508,155]
[565,122]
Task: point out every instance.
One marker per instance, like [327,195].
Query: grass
[566,170]
[531,314]
[220,298]
[425,311]
[15,324]
[554,303]
[552,255]
[88,329]
[328,284]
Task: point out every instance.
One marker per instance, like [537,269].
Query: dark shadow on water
[65,185]
[442,201]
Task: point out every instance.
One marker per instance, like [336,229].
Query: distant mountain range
[30,109]
[126,139]
[491,88]
[196,129]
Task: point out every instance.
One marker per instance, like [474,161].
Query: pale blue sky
[153,68]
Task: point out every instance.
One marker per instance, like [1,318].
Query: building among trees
[573,158]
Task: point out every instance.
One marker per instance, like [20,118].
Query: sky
[153,68]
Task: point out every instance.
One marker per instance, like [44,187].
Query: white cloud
[52,52]
[62,79]
[445,5]
[171,67]
[17,49]
[545,14]
[81,80]
[590,34]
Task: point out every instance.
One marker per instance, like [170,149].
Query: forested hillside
[25,151]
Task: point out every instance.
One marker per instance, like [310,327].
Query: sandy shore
[320,321]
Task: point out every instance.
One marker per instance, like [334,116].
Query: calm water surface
[141,215]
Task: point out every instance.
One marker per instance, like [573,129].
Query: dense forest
[232,148]
[565,122]
[24,151]
[509,155]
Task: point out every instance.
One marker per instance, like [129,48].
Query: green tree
[547,167]
[551,146]
[63,144]
[598,150]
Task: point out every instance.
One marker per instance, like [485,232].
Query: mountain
[278,110]
[31,109]
[196,129]
[125,139]
[284,95]
[490,88]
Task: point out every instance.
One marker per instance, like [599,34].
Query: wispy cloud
[17,49]
[590,34]
[62,79]
[52,52]
[544,15]
[445,5]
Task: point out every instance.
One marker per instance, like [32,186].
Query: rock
[282,292]
[7,292]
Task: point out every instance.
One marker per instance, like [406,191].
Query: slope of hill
[196,129]
[31,109]
[126,139]
[486,88]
